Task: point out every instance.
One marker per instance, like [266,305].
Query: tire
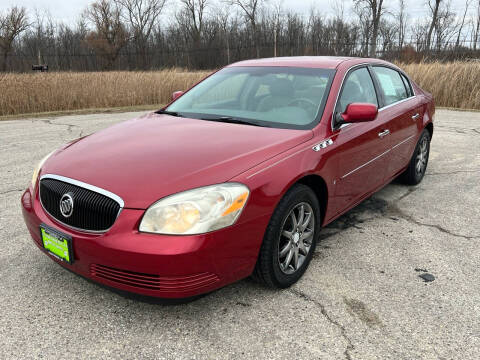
[270,268]
[415,172]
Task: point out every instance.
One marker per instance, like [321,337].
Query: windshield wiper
[166,112]
[230,120]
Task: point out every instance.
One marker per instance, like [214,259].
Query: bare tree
[445,27]
[476,31]
[191,21]
[195,11]
[338,7]
[224,19]
[12,24]
[387,31]
[462,23]
[376,10]
[277,15]
[402,23]
[219,34]
[250,9]
[434,6]
[365,27]
[141,16]
[110,35]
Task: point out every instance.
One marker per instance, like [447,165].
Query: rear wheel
[415,172]
[290,239]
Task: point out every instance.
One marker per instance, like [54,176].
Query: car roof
[324,62]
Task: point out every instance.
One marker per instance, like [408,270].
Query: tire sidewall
[299,195]
[419,176]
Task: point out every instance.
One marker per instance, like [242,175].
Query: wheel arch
[319,187]
[429,127]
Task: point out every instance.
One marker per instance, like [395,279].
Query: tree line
[207,34]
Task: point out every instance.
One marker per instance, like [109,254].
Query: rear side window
[358,88]
[391,83]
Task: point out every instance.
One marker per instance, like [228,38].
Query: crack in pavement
[453,172]
[69,126]
[393,209]
[381,208]
[10,191]
[458,129]
[342,329]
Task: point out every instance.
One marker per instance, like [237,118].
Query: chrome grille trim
[86,186]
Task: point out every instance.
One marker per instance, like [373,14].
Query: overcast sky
[68,10]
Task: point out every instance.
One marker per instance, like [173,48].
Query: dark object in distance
[41,68]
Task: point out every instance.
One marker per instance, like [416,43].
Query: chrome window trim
[81,184]
[344,126]
[396,103]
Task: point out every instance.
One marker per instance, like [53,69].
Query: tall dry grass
[42,92]
[454,85]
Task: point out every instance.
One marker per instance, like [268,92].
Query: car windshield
[282,97]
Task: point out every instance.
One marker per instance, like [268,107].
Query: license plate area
[57,243]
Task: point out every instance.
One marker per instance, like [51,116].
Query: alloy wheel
[422,156]
[296,238]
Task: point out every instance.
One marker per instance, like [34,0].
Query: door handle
[416,116]
[384,133]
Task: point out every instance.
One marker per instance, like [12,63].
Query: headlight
[196,211]
[38,168]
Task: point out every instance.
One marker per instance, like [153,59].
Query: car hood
[145,159]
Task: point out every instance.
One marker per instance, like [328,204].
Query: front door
[360,148]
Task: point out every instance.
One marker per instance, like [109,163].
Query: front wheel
[415,171]
[290,239]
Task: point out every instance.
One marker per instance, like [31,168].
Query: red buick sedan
[236,177]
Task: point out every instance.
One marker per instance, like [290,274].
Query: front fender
[269,181]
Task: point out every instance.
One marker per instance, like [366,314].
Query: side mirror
[357,112]
[176,95]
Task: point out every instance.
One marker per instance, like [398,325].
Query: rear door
[401,112]
[359,150]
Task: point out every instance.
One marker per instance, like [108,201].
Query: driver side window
[358,88]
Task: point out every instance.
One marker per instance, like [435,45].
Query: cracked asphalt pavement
[361,298]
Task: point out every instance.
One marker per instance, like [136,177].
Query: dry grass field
[455,85]
[46,92]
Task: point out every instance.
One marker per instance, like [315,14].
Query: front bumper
[155,265]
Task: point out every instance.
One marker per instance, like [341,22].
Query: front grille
[92,211]
[152,281]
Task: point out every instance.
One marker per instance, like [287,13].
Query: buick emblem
[66,205]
